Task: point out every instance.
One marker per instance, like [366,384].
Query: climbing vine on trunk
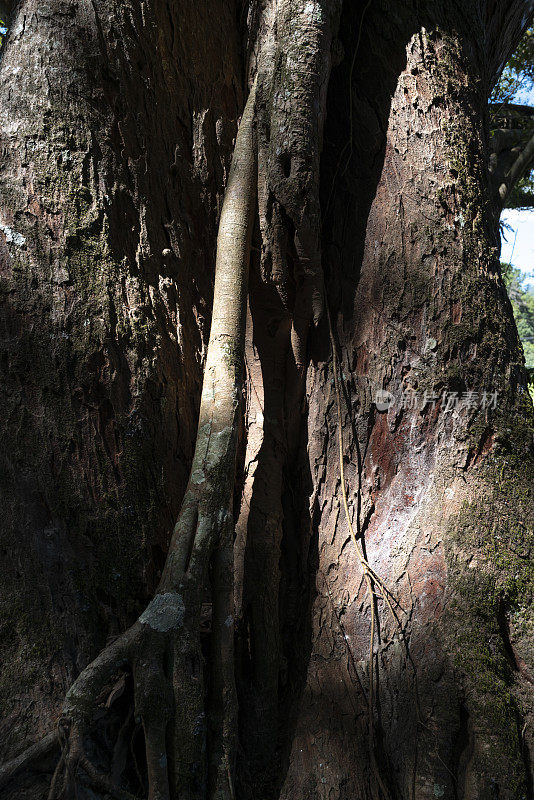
[163,647]
[111,194]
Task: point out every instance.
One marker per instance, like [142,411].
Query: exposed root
[31,756]
[162,649]
[73,757]
[58,772]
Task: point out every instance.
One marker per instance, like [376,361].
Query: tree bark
[109,215]
[445,508]
[118,121]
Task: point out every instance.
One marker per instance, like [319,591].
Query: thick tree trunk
[443,496]
[118,122]
[117,131]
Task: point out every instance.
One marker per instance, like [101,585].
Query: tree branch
[506,139]
[520,199]
[510,109]
[518,169]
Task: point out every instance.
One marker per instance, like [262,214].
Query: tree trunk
[117,134]
[118,121]
[443,496]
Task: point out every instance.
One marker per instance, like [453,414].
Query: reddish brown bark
[425,311]
[117,130]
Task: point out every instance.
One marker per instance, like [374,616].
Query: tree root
[162,649]
[72,757]
[29,757]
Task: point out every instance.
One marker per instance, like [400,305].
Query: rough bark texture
[443,504]
[411,259]
[117,129]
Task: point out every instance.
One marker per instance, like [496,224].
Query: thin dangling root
[372,579]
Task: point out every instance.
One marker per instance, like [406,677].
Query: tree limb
[506,139]
[519,168]
[501,109]
[520,199]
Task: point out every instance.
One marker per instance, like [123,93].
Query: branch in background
[32,755]
[518,170]
[506,139]
[511,109]
[506,146]
[512,153]
[520,199]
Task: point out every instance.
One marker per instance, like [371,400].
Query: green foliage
[518,74]
[522,60]
[522,300]
[522,195]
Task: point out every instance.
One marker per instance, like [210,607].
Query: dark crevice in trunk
[504,629]
[299,565]
[462,752]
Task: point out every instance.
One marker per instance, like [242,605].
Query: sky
[518,243]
